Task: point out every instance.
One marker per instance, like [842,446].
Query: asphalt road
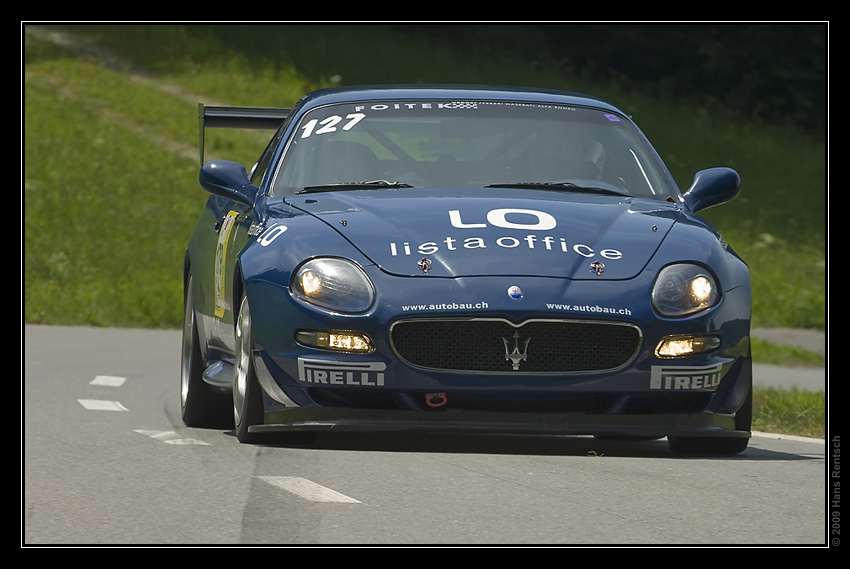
[107,461]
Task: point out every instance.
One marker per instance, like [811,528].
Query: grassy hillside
[110,156]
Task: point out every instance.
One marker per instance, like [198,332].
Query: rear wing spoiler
[267,118]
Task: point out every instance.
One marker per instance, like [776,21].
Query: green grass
[788,411]
[110,156]
[791,412]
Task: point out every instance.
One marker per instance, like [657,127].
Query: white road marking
[307,489]
[98,405]
[108,380]
[171,437]
[788,437]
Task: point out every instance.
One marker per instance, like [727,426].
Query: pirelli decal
[686,377]
[364,374]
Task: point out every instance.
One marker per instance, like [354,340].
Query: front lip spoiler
[323,419]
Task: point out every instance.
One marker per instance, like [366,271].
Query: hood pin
[597,267]
[424,264]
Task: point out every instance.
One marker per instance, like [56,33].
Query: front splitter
[327,419]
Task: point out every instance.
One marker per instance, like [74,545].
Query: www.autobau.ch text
[584,308]
[446,306]
[589,308]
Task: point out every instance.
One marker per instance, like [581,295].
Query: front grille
[496,346]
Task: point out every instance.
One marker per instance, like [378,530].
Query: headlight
[335,284]
[684,289]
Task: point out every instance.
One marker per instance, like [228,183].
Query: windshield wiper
[569,186]
[371,185]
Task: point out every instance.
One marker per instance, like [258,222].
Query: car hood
[487,233]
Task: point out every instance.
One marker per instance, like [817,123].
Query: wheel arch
[237,288]
[187,269]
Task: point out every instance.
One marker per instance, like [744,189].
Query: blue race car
[471,259]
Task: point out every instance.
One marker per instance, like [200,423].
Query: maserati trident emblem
[516,355]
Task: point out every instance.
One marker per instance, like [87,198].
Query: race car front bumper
[704,414]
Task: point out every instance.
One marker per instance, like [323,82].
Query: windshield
[444,144]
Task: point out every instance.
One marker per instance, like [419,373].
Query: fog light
[339,340]
[679,346]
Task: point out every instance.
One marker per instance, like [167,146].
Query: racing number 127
[329,124]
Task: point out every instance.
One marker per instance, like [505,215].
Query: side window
[262,165]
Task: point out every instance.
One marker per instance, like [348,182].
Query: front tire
[247,396]
[200,406]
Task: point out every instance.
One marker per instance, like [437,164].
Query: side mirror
[712,187]
[228,180]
